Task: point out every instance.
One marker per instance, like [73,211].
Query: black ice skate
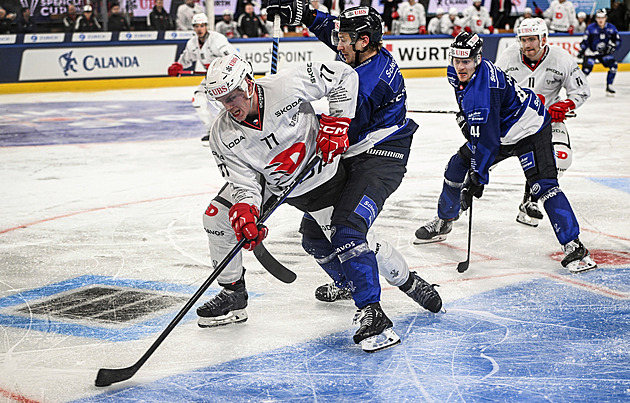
[226,307]
[529,213]
[422,292]
[331,293]
[375,331]
[433,231]
[577,258]
[610,91]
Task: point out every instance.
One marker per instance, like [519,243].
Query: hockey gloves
[470,188]
[610,48]
[332,138]
[243,219]
[571,30]
[558,111]
[422,30]
[174,69]
[463,124]
[291,12]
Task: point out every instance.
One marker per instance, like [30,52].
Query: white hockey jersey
[561,16]
[434,26]
[411,18]
[477,20]
[557,69]
[281,141]
[183,22]
[216,45]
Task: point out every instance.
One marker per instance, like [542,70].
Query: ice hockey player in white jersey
[476,18]
[434,24]
[269,131]
[561,17]
[412,19]
[546,70]
[203,47]
[527,13]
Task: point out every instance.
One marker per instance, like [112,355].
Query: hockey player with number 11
[546,70]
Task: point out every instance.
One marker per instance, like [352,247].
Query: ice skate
[529,213]
[433,231]
[226,307]
[422,292]
[610,90]
[577,258]
[375,331]
[331,293]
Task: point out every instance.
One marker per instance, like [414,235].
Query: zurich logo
[34,38]
[82,37]
[128,35]
[67,62]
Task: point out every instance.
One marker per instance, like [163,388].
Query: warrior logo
[287,161]
[67,62]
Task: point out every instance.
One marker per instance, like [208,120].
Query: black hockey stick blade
[463,266]
[273,266]
[106,377]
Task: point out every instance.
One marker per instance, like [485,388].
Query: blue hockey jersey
[596,39]
[498,111]
[381,113]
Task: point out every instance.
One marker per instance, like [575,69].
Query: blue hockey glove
[470,188]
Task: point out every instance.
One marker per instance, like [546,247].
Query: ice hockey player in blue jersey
[600,42]
[380,138]
[501,120]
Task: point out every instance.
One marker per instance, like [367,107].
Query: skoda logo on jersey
[67,62]
[287,108]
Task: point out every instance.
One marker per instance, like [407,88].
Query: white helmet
[527,10]
[199,19]
[439,11]
[453,11]
[226,74]
[581,14]
[533,27]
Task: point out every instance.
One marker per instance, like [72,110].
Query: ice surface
[108,188]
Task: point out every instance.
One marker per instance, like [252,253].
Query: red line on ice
[16,397]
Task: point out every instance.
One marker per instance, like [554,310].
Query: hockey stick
[276,40]
[106,376]
[463,266]
[273,266]
[431,111]
[191,73]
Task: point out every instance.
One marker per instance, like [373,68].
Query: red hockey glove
[538,11]
[467,29]
[491,29]
[174,69]
[243,219]
[559,110]
[395,15]
[571,29]
[422,30]
[456,30]
[332,138]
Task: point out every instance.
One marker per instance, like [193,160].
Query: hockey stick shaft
[276,41]
[191,73]
[431,111]
[463,266]
[106,377]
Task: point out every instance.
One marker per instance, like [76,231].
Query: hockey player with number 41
[502,120]
[546,70]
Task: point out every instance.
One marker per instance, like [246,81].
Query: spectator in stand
[25,24]
[116,21]
[250,25]
[70,18]
[450,23]
[434,24]
[618,15]
[5,21]
[337,6]
[560,17]
[500,13]
[185,13]
[87,22]
[158,19]
[227,26]
[476,18]
[412,18]
[580,27]
[266,23]
[389,6]
[527,13]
